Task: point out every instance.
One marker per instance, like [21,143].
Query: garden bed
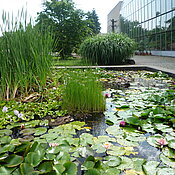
[135,135]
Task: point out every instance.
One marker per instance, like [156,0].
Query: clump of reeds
[24,56]
[107,49]
[83,93]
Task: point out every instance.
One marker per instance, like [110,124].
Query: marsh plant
[83,93]
[24,56]
[108,49]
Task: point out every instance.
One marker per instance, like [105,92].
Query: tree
[67,23]
[93,22]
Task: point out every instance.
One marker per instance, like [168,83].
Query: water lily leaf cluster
[139,139]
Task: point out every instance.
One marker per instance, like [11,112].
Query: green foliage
[71,149]
[83,93]
[25,61]
[69,25]
[93,22]
[108,49]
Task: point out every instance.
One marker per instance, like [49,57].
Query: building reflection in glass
[150,22]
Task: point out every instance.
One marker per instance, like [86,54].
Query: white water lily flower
[5,109]
[16,112]
[20,115]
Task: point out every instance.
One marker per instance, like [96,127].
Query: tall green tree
[69,25]
[94,24]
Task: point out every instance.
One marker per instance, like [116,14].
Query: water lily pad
[45,167]
[86,138]
[170,153]
[89,164]
[171,144]
[59,168]
[116,151]
[40,131]
[26,168]
[165,171]
[150,168]
[92,171]
[133,120]
[112,161]
[134,172]
[126,163]
[34,158]
[13,160]
[152,140]
[125,142]
[167,161]
[6,170]
[3,156]
[138,163]
[26,138]
[70,168]
[5,140]
[5,132]
[7,148]
[22,147]
[163,128]
[112,171]
[28,131]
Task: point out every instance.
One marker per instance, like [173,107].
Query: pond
[134,136]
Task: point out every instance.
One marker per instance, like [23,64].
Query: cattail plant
[108,49]
[24,56]
[83,93]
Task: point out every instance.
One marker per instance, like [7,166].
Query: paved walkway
[166,64]
[153,63]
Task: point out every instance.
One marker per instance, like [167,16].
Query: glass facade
[150,22]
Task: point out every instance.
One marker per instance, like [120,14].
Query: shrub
[25,61]
[108,49]
[83,93]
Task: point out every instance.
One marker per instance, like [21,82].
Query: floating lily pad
[92,171]
[70,168]
[26,138]
[13,160]
[170,153]
[34,158]
[28,131]
[7,148]
[45,167]
[6,170]
[167,161]
[171,144]
[40,131]
[59,168]
[150,168]
[152,140]
[112,161]
[165,171]
[26,168]
[5,140]
[5,132]
[126,163]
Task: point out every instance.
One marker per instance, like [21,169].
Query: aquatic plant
[25,56]
[108,49]
[83,93]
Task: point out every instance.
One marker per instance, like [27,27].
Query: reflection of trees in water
[159,38]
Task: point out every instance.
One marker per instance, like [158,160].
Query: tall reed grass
[24,56]
[83,93]
[107,49]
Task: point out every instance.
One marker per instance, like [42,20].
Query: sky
[101,7]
